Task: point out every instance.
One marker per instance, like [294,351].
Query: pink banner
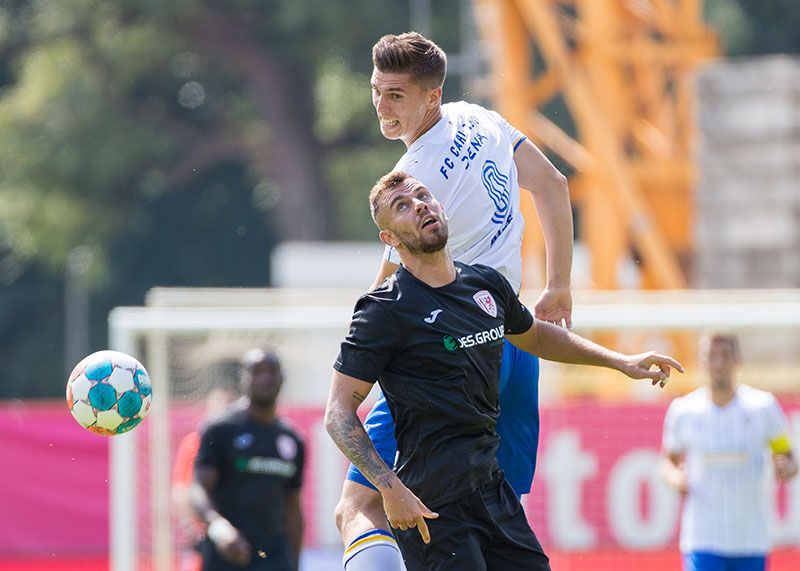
[53,482]
[596,488]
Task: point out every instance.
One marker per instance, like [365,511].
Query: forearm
[557,344]
[347,431]
[555,217]
[551,197]
[201,504]
[670,472]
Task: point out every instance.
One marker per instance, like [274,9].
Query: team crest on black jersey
[286,446]
[243,441]
[486,302]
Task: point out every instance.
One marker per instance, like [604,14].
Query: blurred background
[215,157]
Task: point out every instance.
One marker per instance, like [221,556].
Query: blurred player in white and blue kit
[716,441]
[474,162]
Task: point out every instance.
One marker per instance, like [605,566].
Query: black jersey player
[248,474]
[432,335]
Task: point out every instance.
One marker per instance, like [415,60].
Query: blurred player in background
[715,443]
[474,163]
[441,380]
[191,529]
[248,475]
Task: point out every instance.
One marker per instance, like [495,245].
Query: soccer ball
[109,392]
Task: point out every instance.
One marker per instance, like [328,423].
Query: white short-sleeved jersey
[726,458]
[467,162]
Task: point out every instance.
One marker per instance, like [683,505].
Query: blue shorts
[517,426]
[701,561]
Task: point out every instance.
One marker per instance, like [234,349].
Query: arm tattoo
[346,429]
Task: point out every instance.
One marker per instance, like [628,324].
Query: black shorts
[484,531]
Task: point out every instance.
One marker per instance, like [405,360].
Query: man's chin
[263,401]
[390,133]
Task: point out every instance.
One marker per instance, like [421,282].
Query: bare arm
[556,344]
[294,524]
[403,509]
[387,269]
[551,198]
[785,466]
[230,543]
[673,470]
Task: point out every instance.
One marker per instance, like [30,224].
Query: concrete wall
[748,196]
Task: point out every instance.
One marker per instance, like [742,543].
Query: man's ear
[435,97]
[389,238]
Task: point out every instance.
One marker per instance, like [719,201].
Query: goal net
[597,501]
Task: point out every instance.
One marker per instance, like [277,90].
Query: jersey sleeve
[210,453]
[296,481]
[514,135]
[777,427]
[672,439]
[370,344]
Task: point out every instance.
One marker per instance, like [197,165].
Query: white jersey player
[474,163]
[716,442]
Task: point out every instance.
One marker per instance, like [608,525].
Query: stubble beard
[418,245]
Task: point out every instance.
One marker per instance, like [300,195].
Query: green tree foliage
[754,27]
[176,142]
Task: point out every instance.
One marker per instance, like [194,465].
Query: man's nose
[420,205]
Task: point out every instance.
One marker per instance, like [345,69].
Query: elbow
[329,420]
[552,183]
[560,182]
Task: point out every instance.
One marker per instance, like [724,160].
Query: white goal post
[177,313]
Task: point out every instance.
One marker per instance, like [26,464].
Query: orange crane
[623,69]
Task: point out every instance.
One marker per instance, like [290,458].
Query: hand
[680,481]
[639,367]
[785,467]
[404,510]
[229,541]
[555,305]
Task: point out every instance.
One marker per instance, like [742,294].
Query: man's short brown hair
[411,53]
[385,183]
[711,337]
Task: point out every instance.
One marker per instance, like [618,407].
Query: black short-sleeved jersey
[436,353]
[258,465]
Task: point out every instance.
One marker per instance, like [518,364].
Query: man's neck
[431,118]
[722,395]
[264,414]
[436,269]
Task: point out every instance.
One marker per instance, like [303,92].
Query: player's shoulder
[387,292]
[381,300]
[480,271]
[754,398]
[692,402]
[464,109]
[286,427]
[480,275]
[234,416]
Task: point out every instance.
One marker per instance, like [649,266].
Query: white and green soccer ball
[109,392]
